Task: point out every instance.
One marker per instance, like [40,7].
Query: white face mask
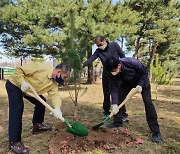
[115,73]
[102,47]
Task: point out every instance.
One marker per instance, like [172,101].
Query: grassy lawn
[90,112]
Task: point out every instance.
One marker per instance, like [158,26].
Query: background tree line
[65,29]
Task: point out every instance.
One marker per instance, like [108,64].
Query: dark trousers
[16,106]
[151,115]
[106,93]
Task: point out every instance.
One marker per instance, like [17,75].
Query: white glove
[57,113]
[139,88]
[115,109]
[24,87]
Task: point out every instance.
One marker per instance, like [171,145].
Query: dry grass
[90,111]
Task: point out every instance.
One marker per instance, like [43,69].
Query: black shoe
[38,128]
[114,125]
[156,137]
[125,119]
[105,116]
[18,148]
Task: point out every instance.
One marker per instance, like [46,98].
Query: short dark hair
[111,64]
[100,37]
[64,67]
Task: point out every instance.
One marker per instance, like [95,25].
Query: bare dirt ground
[124,140]
[104,139]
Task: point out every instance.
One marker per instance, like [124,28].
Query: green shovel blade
[76,129]
[96,127]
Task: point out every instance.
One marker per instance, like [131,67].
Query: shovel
[75,128]
[131,93]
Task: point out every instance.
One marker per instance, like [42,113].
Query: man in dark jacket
[104,51]
[130,73]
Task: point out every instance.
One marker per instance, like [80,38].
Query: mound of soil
[104,139]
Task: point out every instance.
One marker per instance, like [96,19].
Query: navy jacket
[112,50]
[133,73]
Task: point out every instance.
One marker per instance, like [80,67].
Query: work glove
[24,87]
[115,109]
[57,113]
[139,88]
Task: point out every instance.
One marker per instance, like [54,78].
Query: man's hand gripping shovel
[131,93]
[75,128]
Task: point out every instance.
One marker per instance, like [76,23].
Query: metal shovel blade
[96,127]
[78,129]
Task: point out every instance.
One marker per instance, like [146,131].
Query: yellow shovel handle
[34,94]
[131,93]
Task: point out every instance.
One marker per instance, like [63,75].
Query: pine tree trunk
[137,46]
[90,74]
[90,69]
[152,55]
[137,42]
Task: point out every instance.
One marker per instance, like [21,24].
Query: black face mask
[59,80]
